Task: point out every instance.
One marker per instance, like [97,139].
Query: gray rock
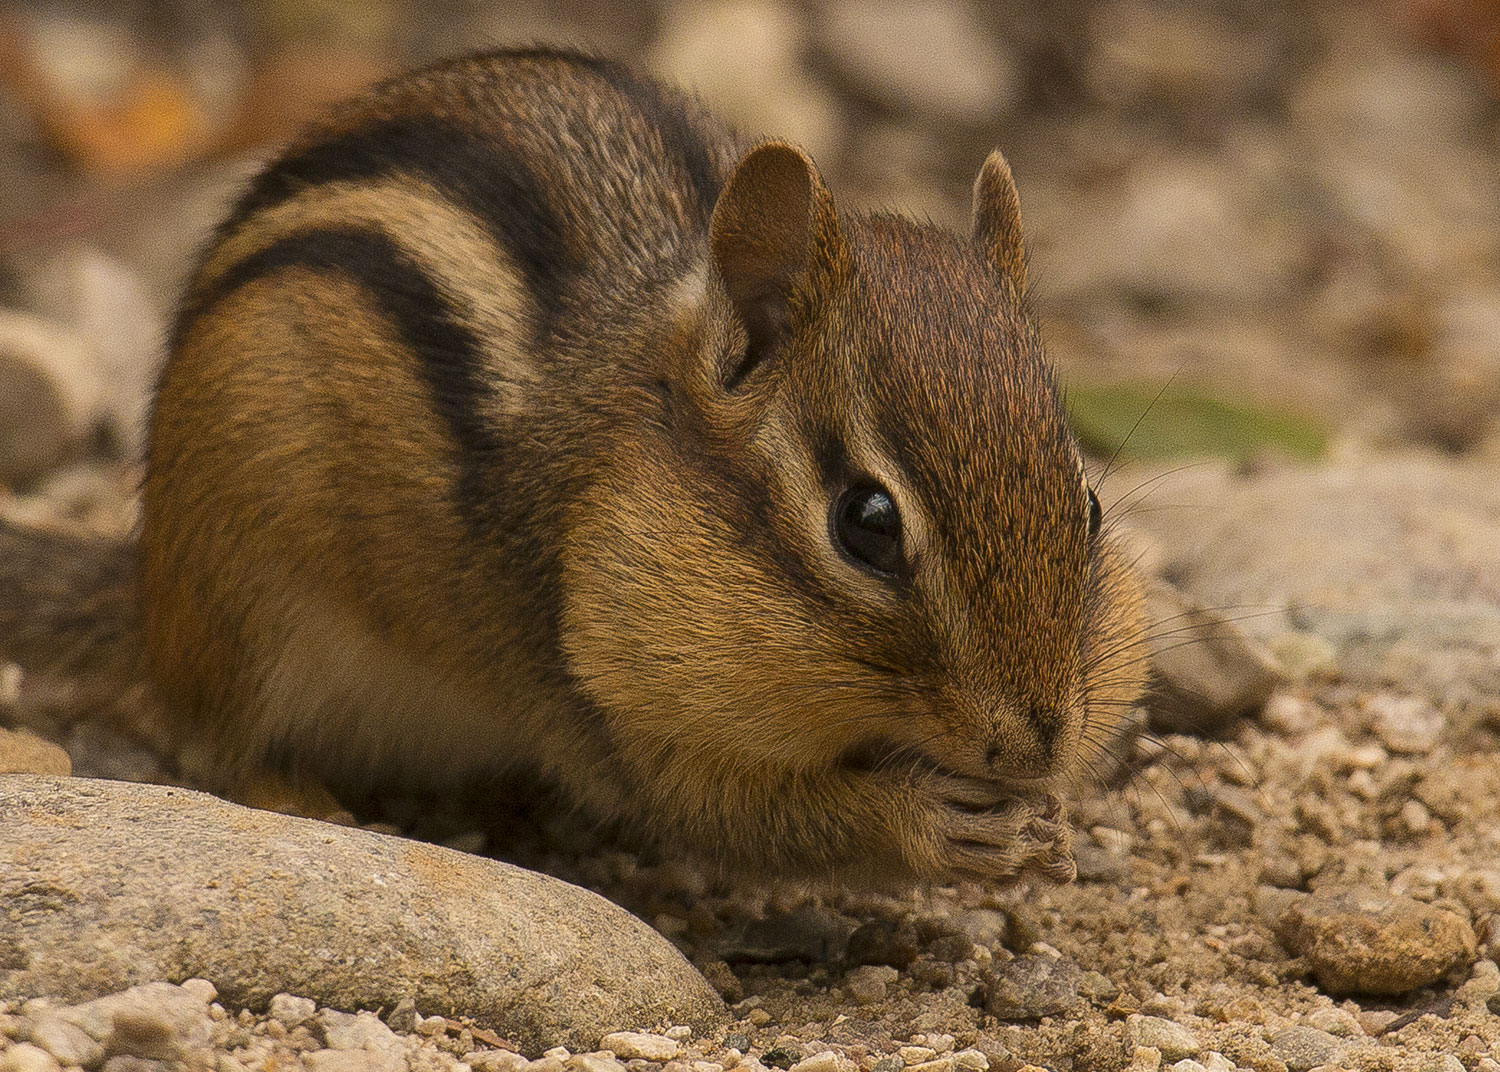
[1206,672]
[1361,941]
[24,1057]
[1172,1039]
[52,395]
[640,1044]
[1304,1048]
[932,58]
[292,1011]
[354,1031]
[154,1022]
[105,884]
[1032,986]
[1412,594]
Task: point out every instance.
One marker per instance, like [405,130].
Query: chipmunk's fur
[503,424]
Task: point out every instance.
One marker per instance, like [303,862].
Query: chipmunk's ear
[775,242]
[997,220]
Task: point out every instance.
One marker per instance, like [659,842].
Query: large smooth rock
[105,885]
[1389,563]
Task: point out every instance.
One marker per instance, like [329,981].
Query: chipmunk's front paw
[1000,840]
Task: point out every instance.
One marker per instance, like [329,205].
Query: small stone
[1335,1021]
[291,1011]
[1098,988]
[737,1041]
[639,1044]
[134,1064]
[1032,986]
[1187,1064]
[1214,1061]
[889,1063]
[1441,1062]
[882,942]
[558,1053]
[24,1057]
[495,1061]
[1304,1048]
[889,49]
[594,1062]
[916,1055]
[827,1061]
[680,1032]
[780,1057]
[941,1064]
[403,1018]
[971,1060]
[355,1031]
[1172,1039]
[1368,942]
[866,984]
[1145,1059]
[354,1061]
[1407,724]
[758,1017]
[67,1042]
[201,989]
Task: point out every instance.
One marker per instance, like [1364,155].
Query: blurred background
[1287,212]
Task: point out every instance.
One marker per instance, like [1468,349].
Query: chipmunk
[521,415]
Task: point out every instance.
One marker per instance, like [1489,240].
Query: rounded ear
[775,240]
[997,220]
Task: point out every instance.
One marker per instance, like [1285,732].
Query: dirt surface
[1291,208]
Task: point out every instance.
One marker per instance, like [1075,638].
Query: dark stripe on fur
[484,176]
[449,354]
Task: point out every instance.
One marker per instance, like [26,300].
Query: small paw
[1006,839]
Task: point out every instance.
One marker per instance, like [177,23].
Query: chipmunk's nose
[1028,744]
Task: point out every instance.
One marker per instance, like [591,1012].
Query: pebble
[1407,724]
[157,1021]
[403,1018]
[1335,1021]
[916,1055]
[594,1062]
[1187,1064]
[1304,1048]
[1032,986]
[890,50]
[291,1011]
[25,1057]
[1441,1062]
[354,1061]
[971,1060]
[827,1061]
[867,983]
[1361,941]
[1172,1039]
[354,1031]
[638,1044]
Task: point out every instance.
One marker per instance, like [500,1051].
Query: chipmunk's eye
[867,527]
[1096,514]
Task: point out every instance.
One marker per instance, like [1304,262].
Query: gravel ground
[1293,203]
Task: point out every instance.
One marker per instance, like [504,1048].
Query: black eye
[867,528]
[1096,515]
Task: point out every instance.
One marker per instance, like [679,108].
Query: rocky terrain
[1266,239]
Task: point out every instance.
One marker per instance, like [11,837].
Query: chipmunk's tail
[67,604]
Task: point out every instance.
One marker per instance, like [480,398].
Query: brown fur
[597,541]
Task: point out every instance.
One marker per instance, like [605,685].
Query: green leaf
[1186,422]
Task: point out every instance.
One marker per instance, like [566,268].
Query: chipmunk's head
[857,533]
